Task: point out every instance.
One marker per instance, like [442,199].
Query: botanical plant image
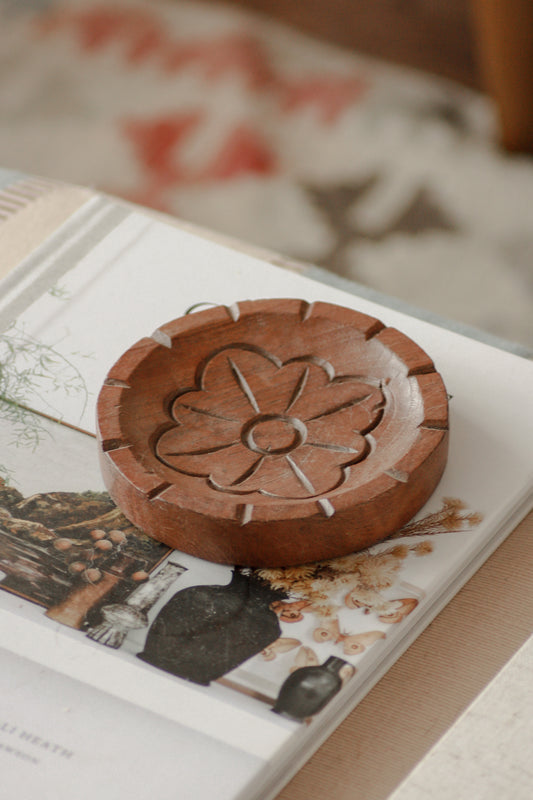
[68,551]
[30,368]
[452,517]
[360,577]
[369,582]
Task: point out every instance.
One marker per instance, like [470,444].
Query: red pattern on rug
[238,124]
[331,95]
[142,36]
[238,53]
[244,151]
[158,144]
[95,28]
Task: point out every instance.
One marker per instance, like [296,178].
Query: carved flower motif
[255,424]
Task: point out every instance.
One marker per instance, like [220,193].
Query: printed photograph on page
[288,639]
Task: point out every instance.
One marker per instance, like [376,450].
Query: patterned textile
[383,175]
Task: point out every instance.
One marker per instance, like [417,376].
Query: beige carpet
[383,175]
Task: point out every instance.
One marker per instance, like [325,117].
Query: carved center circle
[273,434]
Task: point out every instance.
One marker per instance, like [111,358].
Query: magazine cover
[261,662]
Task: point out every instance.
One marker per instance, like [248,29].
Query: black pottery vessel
[308,689]
[203,632]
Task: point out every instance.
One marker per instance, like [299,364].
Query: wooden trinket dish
[272,432]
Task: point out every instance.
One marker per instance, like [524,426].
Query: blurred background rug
[224,118]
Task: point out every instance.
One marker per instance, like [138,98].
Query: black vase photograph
[203,632]
[307,690]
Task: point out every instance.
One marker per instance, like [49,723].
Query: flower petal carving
[255,424]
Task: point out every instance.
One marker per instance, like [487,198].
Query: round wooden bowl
[272,432]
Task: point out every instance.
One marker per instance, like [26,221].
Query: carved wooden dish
[272,432]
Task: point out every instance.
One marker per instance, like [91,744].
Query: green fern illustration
[31,370]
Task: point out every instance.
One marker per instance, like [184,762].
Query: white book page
[142,275]
[63,739]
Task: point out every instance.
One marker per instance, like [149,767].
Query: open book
[132,670]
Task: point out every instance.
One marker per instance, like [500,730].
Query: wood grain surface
[433,35]
[272,432]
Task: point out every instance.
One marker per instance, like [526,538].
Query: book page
[86,594]
[63,738]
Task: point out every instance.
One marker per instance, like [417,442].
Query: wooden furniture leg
[503,31]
